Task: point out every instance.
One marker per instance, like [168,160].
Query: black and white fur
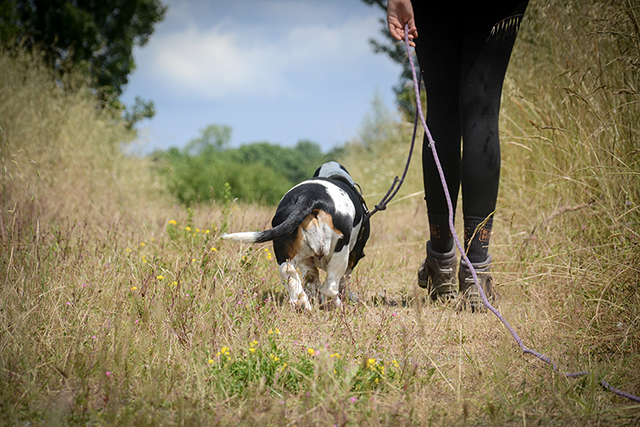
[321,223]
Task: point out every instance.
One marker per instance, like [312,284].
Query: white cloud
[214,64]
[233,60]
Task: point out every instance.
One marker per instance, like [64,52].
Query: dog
[321,223]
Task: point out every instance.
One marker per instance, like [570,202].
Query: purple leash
[432,145]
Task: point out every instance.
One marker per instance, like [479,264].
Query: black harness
[357,190]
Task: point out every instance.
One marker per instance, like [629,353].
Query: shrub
[256,173]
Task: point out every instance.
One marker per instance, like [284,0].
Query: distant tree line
[208,169]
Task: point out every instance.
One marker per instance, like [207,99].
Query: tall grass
[60,154]
[572,111]
[117,308]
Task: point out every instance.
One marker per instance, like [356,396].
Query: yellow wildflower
[311,351]
[188,228]
[214,250]
[173,222]
[210,361]
[142,244]
[134,288]
[160,277]
[371,363]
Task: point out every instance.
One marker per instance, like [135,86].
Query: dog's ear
[317,172]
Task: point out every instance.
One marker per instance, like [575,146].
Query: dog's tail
[285,228]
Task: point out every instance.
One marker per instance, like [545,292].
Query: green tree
[405,98]
[97,36]
[259,172]
[310,152]
[295,164]
[141,109]
[213,138]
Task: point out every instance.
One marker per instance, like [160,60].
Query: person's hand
[400,12]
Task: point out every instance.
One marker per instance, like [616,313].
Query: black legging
[463,64]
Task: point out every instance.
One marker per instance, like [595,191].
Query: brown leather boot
[469,290]
[437,274]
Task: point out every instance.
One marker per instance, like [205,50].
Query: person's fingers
[413,34]
[413,30]
[397,31]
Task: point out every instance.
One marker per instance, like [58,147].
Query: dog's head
[334,170]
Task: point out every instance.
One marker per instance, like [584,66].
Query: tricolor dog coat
[321,223]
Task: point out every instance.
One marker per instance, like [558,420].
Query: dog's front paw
[302,303]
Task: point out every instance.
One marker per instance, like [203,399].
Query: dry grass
[112,314]
[99,328]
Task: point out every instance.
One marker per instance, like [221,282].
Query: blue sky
[273,70]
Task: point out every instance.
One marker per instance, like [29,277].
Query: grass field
[119,307]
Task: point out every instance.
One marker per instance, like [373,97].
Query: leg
[463,61]
[345,280]
[484,65]
[486,57]
[336,270]
[297,297]
[439,50]
[310,277]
